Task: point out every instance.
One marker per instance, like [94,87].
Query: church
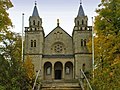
[58,55]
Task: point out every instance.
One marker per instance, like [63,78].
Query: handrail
[36,80]
[86,79]
[81,84]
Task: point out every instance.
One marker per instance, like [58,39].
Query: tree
[13,74]
[107,46]
[107,22]
[107,64]
[12,46]
[5,21]
[29,68]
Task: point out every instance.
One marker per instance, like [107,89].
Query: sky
[50,11]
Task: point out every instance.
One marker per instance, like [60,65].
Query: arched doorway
[47,70]
[68,70]
[58,67]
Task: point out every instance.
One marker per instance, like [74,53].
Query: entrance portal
[57,74]
[58,68]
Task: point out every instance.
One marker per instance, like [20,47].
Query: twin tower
[58,55]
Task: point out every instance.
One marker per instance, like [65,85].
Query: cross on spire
[80,1]
[58,22]
[35,3]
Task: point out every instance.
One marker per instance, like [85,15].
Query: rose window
[58,48]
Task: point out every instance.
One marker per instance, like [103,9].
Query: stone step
[61,85]
[61,89]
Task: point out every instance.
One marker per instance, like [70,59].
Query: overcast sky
[50,11]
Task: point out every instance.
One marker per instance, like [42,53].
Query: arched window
[67,70]
[35,29]
[30,23]
[48,70]
[86,22]
[34,43]
[78,23]
[82,42]
[30,29]
[38,23]
[81,28]
[33,22]
[31,43]
[85,42]
[82,22]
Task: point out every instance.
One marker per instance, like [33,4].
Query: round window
[58,48]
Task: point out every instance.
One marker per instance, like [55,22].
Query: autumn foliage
[107,46]
[29,67]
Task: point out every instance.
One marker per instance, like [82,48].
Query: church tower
[81,35]
[34,39]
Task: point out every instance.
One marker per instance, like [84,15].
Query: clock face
[58,48]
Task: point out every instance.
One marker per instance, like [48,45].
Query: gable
[58,40]
[58,30]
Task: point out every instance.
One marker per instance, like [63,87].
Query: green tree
[12,46]
[107,22]
[5,21]
[13,75]
[107,46]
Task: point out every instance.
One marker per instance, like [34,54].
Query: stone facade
[58,55]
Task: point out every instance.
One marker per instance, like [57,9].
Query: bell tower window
[38,23]
[81,42]
[31,43]
[34,43]
[86,22]
[85,42]
[30,23]
[81,28]
[78,23]
[33,22]
[82,22]
[35,29]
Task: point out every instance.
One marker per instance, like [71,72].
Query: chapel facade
[58,55]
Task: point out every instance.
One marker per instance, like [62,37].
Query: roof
[56,29]
[81,11]
[35,11]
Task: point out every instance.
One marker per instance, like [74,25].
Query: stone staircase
[61,85]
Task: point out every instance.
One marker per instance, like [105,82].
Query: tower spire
[81,11]
[35,11]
